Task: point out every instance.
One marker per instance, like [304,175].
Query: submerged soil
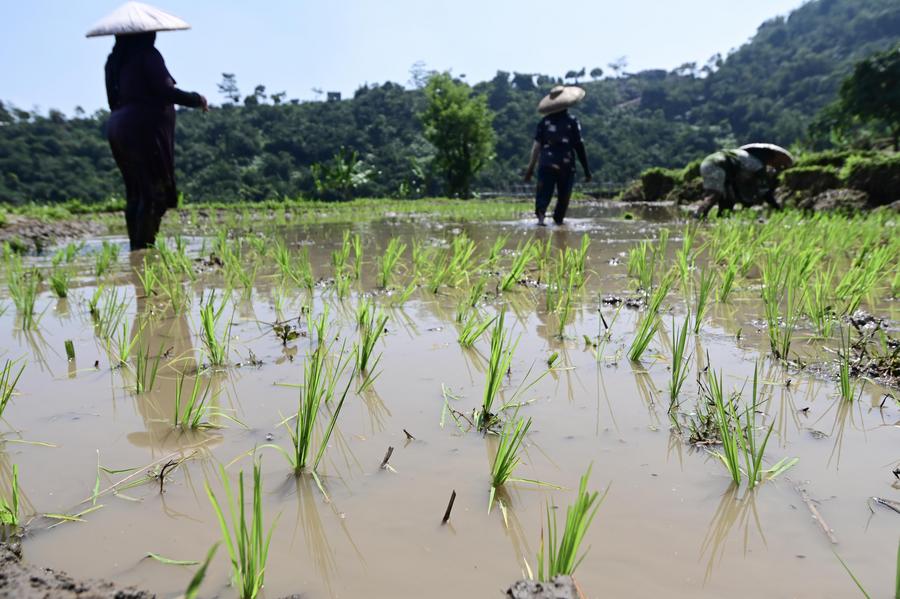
[672,522]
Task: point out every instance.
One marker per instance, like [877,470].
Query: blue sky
[295,46]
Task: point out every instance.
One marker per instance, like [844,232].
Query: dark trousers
[549,179]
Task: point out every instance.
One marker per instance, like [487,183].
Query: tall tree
[872,92]
[458,124]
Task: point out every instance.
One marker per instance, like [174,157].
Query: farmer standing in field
[556,143]
[141,128]
[746,174]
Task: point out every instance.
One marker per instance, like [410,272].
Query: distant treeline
[259,146]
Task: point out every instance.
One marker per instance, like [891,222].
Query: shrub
[811,179]
[878,176]
[657,182]
[835,158]
[691,171]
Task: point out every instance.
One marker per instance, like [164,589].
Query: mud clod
[560,587]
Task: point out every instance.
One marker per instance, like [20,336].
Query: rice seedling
[517,269]
[646,330]
[149,277]
[845,386]
[8,382]
[66,254]
[818,302]
[388,261]
[702,300]
[172,287]
[108,254]
[193,412]
[559,555]
[499,363]
[564,307]
[59,282]
[401,297]
[780,284]
[216,345]
[356,241]
[120,345]
[342,285]
[472,330]
[512,435]
[246,538]
[70,349]
[660,292]
[339,257]
[9,508]
[108,314]
[371,328]
[680,363]
[145,369]
[320,378]
[496,251]
[193,589]
[737,432]
[23,289]
[727,283]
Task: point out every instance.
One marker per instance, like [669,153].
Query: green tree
[872,93]
[458,124]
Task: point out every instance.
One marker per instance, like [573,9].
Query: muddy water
[672,523]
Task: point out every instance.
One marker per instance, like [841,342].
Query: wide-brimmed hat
[771,154]
[136,17]
[560,98]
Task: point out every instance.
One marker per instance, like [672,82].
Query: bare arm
[532,163]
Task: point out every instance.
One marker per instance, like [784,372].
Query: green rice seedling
[145,369]
[109,314]
[193,412]
[9,508]
[564,307]
[846,385]
[646,330]
[738,435]
[339,257]
[660,292]
[680,362]
[302,273]
[70,349]
[66,254]
[707,278]
[216,345]
[8,383]
[108,254]
[149,277]
[818,302]
[781,285]
[401,297]
[517,269]
[59,282]
[246,538]
[640,265]
[171,285]
[499,363]
[23,288]
[320,379]
[727,283]
[342,282]
[388,261]
[193,588]
[472,330]
[559,555]
[867,270]
[543,253]
[507,457]
[120,345]
[371,328]
[496,251]
[356,241]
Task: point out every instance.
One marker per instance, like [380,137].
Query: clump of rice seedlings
[66,254]
[8,382]
[499,363]
[867,269]
[388,261]
[645,258]
[684,258]
[176,260]
[356,242]
[149,277]
[193,589]
[70,349]
[23,288]
[237,276]
[371,328]
[517,269]
[171,285]
[108,314]
[564,307]
[846,386]
[246,538]
[472,329]
[59,282]
[342,282]
[646,330]
[120,345]
[660,292]
[680,362]
[702,300]
[193,412]
[507,457]
[145,369]
[216,345]
[818,303]
[340,256]
[9,508]
[737,432]
[496,251]
[320,378]
[559,555]
[108,254]
[401,297]
[727,283]
[781,281]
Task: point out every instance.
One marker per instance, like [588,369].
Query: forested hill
[264,147]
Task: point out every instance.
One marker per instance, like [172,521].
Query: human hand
[588,177]
[529,173]
[204,105]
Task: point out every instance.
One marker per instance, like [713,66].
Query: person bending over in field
[556,143]
[747,175]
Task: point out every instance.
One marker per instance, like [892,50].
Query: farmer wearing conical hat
[746,175]
[141,128]
[556,143]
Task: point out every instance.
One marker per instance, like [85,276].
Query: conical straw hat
[136,17]
[770,154]
[560,97]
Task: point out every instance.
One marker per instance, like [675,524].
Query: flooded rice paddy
[673,521]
